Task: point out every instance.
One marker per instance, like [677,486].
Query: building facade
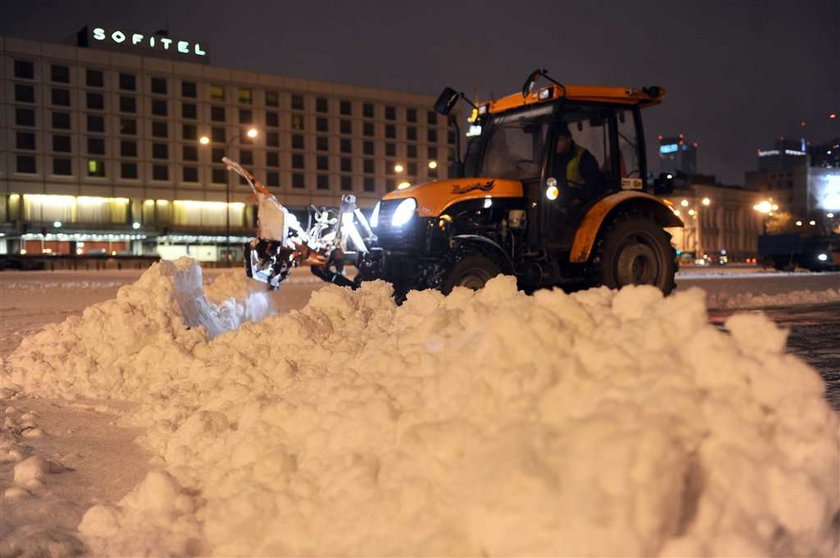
[100,150]
[677,155]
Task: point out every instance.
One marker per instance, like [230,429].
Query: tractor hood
[433,198]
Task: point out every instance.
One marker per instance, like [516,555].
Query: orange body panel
[588,230]
[591,93]
[433,198]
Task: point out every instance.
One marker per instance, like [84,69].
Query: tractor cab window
[582,154]
[628,147]
[515,144]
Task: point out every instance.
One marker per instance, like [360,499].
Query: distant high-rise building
[784,156]
[677,155]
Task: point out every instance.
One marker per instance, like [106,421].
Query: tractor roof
[644,97]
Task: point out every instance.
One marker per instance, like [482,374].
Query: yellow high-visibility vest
[573,174]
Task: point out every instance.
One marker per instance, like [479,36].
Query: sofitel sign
[155,43]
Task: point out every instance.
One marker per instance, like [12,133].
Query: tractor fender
[471,243]
[602,212]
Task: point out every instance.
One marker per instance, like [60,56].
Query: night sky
[738,74]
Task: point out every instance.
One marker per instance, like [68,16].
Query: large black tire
[634,250]
[472,271]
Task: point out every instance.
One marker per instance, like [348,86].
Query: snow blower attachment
[282,243]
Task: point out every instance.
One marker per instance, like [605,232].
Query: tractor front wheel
[634,250]
[472,272]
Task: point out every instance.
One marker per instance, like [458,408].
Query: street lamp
[204,140]
[765,207]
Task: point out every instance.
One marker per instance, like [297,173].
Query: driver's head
[564,139]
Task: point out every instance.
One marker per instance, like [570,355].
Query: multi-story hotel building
[101,150]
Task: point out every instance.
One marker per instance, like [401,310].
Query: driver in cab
[574,166]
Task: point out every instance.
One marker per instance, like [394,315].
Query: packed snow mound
[751,300]
[488,423]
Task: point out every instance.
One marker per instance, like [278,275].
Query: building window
[25,163]
[62,166]
[60,97]
[95,101]
[390,113]
[272,119]
[189,132]
[246,116]
[190,153]
[188,89]
[367,129]
[61,144]
[218,176]
[60,74]
[297,141]
[159,86]
[128,170]
[95,123]
[369,185]
[346,182]
[128,104]
[431,118]
[217,153]
[297,102]
[128,148]
[160,129]
[411,115]
[24,117]
[94,78]
[24,69]
[24,93]
[217,92]
[271,99]
[189,174]
[297,122]
[322,143]
[128,82]
[321,105]
[25,140]
[272,179]
[431,136]
[298,161]
[246,95]
[218,135]
[246,157]
[323,182]
[128,126]
[450,138]
[189,110]
[272,159]
[298,181]
[411,133]
[160,151]
[432,152]
[160,172]
[346,127]
[368,166]
[367,110]
[390,150]
[96,146]
[412,169]
[345,107]
[159,107]
[61,120]
[367,148]
[96,167]
[346,164]
[390,131]
[411,151]
[272,139]
[217,114]
[346,146]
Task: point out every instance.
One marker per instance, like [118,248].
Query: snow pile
[489,423]
[751,300]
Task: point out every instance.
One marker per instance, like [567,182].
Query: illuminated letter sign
[124,40]
[669,148]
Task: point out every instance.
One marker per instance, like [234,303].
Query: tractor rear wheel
[634,250]
[472,272]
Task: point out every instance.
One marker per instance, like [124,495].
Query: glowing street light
[692,212]
[799,223]
[684,203]
[706,201]
[432,165]
[812,222]
[252,133]
[57,224]
[765,207]
[203,140]
[399,167]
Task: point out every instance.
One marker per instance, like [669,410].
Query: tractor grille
[405,237]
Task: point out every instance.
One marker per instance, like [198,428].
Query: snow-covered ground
[491,423]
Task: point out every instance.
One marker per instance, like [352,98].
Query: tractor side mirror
[446,100]
[528,86]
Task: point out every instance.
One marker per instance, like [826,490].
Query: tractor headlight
[404,212]
[374,217]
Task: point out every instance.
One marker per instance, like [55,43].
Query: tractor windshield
[511,145]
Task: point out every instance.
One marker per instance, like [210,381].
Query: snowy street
[346,425]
